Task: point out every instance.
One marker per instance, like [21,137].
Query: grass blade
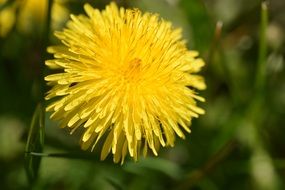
[35,143]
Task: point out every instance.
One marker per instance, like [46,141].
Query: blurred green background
[238,144]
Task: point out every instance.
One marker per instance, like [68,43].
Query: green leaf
[35,143]
[115,183]
[159,165]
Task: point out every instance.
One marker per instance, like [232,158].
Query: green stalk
[262,53]
[44,55]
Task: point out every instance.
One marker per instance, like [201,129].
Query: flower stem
[45,41]
[261,64]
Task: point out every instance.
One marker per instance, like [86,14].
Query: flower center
[133,70]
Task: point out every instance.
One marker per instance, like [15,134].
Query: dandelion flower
[127,80]
[7,18]
[33,13]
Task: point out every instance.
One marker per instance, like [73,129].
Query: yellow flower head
[7,18]
[32,15]
[128,80]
